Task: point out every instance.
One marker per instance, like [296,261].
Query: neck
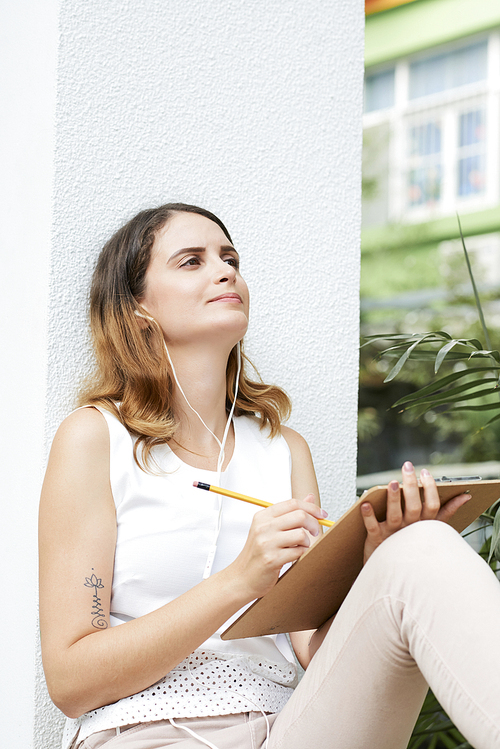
[202,376]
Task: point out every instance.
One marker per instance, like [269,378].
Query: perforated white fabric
[165,530]
[204,684]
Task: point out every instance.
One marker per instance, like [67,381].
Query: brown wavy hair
[132,367]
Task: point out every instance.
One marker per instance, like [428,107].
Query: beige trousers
[425,610]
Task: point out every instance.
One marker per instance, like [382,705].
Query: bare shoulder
[78,464]
[303,474]
[296,442]
[83,429]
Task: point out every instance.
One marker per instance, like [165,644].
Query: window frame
[447,105]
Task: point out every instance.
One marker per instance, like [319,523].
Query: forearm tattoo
[99,620]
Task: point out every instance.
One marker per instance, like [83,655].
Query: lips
[228,298]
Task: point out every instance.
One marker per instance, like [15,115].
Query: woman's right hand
[280,534]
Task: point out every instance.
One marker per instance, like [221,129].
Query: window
[436,73]
[471,153]
[441,115]
[424,183]
[379,90]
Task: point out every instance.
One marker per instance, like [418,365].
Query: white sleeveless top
[166,529]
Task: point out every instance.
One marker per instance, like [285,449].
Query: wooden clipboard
[314,587]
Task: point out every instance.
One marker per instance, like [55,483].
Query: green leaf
[482,354]
[387,337]
[475,530]
[441,383]
[479,407]
[406,337]
[477,344]
[495,418]
[416,742]
[442,353]
[451,740]
[433,742]
[399,365]
[429,355]
[403,345]
[455,395]
[495,539]
[474,288]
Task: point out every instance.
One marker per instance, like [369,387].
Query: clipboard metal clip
[444,479]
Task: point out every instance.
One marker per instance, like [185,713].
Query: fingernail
[394,486]
[316,532]
[424,472]
[324,513]
[366,507]
[408,467]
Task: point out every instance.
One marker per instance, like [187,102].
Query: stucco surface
[254,111]
[28,40]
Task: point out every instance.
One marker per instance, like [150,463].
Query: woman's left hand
[414,508]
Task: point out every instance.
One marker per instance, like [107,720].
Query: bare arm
[88,664]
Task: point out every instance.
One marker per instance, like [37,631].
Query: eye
[191,261]
[230,260]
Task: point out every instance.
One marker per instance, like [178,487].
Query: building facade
[431,134]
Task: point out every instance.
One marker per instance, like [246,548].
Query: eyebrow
[224,248]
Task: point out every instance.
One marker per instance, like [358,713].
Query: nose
[225,273]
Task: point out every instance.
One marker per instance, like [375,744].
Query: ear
[144,319]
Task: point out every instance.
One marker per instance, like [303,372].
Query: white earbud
[145,317]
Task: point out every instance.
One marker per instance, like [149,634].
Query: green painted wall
[413,236]
[395,271]
[425,23]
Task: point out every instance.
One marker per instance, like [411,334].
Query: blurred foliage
[434,730]
[447,390]
[433,430]
[430,431]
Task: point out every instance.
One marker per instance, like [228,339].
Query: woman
[150,569]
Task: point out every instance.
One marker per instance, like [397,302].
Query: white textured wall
[252,110]
[28,43]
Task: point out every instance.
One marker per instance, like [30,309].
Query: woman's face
[193,286]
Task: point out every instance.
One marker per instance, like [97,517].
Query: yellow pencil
[245,498]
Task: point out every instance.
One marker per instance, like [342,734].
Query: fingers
[430,503]
[308,504]
[394,512]
[419,505]
[295,513]
[413,502]
[449,508]
[298,519]
[372,525]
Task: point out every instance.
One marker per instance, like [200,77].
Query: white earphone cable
[213,549]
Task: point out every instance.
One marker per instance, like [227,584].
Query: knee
[429,545]
[425,534]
